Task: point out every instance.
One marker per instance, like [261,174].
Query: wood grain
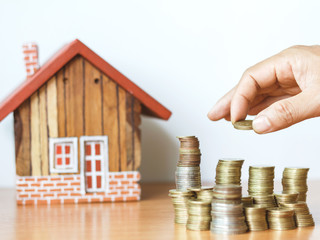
[52,107]
[93,100]
[137,134]
[151,218]
[22,139]
[74,97]
[110,121]
[122,128]
[43,130]
[129,131]
[35,135]
[61,106]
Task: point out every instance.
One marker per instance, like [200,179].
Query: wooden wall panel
[129,131]
[35,135]
[22,139]
[52,107]
[122,128]
[137,134]
[43,130]
[110,121]
[93,100]
[61,103]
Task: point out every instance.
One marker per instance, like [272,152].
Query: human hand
[281,90]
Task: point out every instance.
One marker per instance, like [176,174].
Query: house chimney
[30,51]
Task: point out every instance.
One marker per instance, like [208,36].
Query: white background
[186,54]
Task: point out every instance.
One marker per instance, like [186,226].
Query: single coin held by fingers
[243,125]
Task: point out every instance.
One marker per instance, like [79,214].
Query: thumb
[287,112]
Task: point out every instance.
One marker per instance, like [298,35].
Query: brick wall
[60,189]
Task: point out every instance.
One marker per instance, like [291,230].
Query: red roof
[150,106]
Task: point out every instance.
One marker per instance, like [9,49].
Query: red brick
[124,192]
[83,200]
[107,199]
[69,189]
[113,193]
[56,179]
[78,178]
[101,193]
[20,179]
[23,195]
[42,190]
[19,202]
[89,194]
[29,179]
[138,175]
[78,189]
[29,190]
[48,185]
[120,187]
[42,202]
[62,184]
[119,199]
[55,190]
[23,185]
[94,200]
[29,202]
[35,185]
[48,195]
[132,198]
[131,187]
[113,183]
[76,194]
[62,194]
[68,178]
[136,192]
[42,179]
[35,195]
[119,176]
[19,190]
[69,200]
[125,182]
[130,175]
[75,184]
[55,201]
[110,176]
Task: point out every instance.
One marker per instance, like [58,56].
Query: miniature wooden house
[76,123]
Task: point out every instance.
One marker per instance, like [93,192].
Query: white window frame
[73,154]
[104,163]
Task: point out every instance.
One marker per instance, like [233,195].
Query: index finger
[259,76]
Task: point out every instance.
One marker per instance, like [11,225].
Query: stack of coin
[205,193]
[199,217]
[302,213]
[180,204]
[247,201]
[266,201]
[188,169]
[294,179]
[228,171]
[260,180]
[256,218]
[227,211]
[281,219]
[285,197]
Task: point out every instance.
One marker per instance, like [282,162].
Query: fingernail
[261,124]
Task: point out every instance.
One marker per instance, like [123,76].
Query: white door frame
[104,164]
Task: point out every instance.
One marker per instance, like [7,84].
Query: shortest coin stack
[205,193]
[284,197]
[247,201]
[302,213]
[180,204]
[199,217]
[256,218]
[266,201]
[281,219]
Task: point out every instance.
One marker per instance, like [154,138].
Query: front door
[94,151]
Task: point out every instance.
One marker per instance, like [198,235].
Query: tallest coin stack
[188,168]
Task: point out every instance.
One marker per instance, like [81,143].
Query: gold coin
[243,125]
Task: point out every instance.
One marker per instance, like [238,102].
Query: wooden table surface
[151,218]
